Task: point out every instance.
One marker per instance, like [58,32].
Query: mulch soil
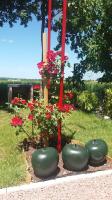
[61,171]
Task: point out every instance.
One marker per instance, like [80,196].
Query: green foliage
[76,80]
[87,101]
[107,107]
[98,89]
[23,11]
[11,11]
[89,32]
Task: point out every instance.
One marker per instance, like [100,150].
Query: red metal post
[62,70]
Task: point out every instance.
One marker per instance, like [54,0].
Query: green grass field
[12,162]
[88,126]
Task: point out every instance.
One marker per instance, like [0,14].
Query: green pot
[98,150]
[75,157]
[45,161]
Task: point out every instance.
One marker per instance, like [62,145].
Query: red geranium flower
[30,117]
[48,115]
[23,101]
[31,105]
[40,65]
[16,121]
[36,87]
[15,101]
[65,58]
[51,56]
[69,95]
[66,107]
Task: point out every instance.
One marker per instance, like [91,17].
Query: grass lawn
[12,162]
[88,126]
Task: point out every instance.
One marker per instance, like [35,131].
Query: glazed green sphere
[45,161]
[75,157]
[98,150]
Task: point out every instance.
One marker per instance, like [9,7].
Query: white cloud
[4,40]
[11,41]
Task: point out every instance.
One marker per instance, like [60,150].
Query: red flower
[48,115]
[40,65]
[65,58]
[15,101]
[31,105]
[65,97]
[30,117]
[50,108]
[16,121]
[66,107]
[69,95]
[59,53]
[51,56]
[55,71]
[23,101]
[36,87]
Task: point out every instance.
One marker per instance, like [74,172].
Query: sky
[20,51]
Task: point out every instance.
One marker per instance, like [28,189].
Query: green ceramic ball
[45,161]
[75,157]
[98,150]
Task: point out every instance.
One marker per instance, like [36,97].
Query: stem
[32,128]
[25,132]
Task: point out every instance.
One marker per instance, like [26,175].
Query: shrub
[36,119]
[98,89]
[87,101]
[107,106]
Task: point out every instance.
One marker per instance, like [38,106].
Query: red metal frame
[59,145]
[64,16]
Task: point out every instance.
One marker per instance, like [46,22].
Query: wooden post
[45,60]
[9,94]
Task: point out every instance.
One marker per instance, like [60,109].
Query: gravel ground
[94,186]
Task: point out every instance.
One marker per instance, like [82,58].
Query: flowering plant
[68,99]
[36,90]
[52,67]
[35,119]
[36,87]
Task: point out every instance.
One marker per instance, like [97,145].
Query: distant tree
[13,10]
[89,33]
[76,80]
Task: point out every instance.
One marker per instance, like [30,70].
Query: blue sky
[20,51]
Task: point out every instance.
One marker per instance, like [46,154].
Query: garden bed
[61,171]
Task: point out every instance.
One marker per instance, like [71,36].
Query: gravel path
[94,186]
